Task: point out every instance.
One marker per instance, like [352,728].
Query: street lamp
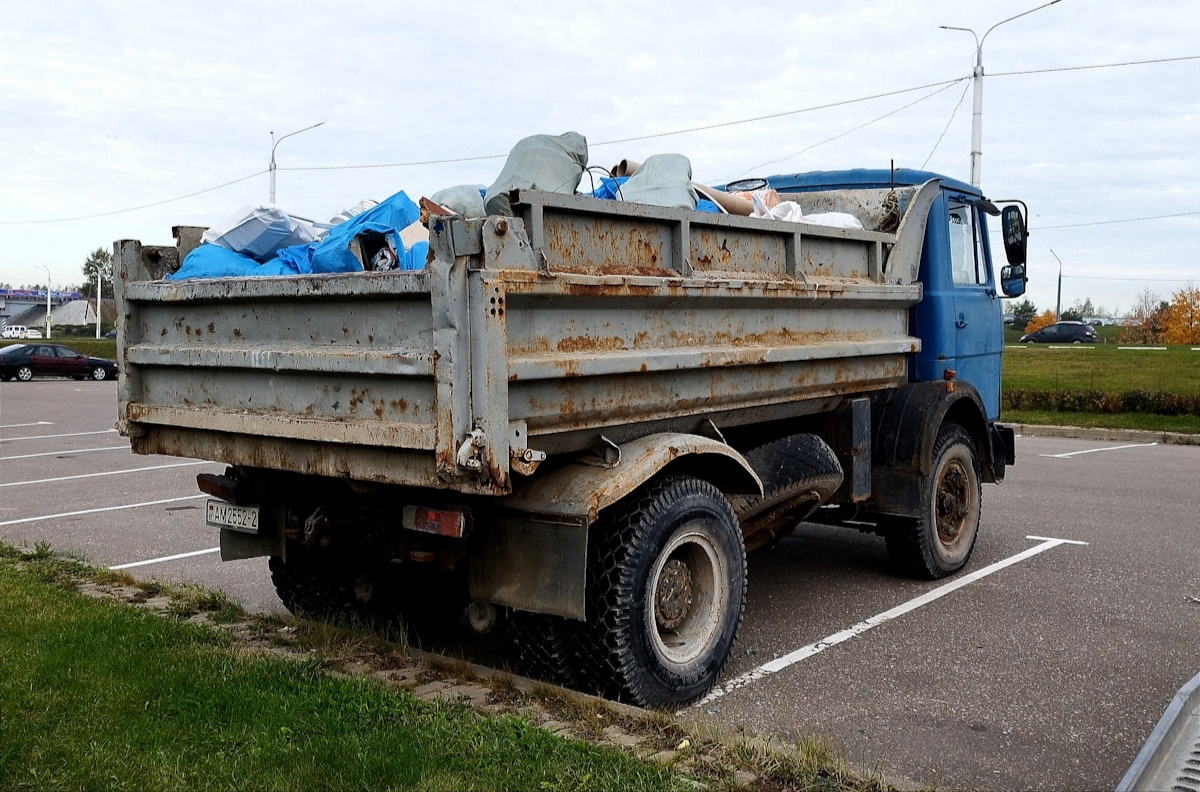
[275,143]
[1058,305]
[977,79]
[43,266]
[99,286]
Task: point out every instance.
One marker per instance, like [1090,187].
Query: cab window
[967,264]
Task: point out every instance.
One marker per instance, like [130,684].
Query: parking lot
[1044,664]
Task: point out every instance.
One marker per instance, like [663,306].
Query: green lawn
[1103,367]
[95,695]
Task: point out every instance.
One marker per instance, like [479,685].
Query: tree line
[1151,320]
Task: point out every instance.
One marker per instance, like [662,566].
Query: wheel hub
[953,500]
[673,595]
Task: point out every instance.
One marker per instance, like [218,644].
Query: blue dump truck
[578,418]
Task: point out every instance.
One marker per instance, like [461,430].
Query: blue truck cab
[959,319]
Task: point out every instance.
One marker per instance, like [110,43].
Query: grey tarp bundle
[465,200]
[539,162]
[662,180]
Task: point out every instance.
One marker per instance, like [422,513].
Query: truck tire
[665,591]
[799,473]
[940,541]
[547,647]
[313,588]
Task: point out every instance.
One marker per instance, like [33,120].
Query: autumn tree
[1181,318]
[1044,319]
[1143,324]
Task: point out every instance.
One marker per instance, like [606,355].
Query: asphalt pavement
[1044,664]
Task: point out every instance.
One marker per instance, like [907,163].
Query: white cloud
[122,104]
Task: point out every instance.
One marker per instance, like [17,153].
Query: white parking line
[65,453]
[35,423]
[97,511]
[166,558]
[803,653]
[102,473]
[47,437]
[1094,450]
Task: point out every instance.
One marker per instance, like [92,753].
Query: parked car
[26,361]
[32,333]
[1061,333]
[13,331]
[111,333]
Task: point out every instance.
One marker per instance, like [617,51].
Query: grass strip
[1185,424]
[95,695]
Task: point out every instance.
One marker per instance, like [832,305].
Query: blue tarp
[331,254]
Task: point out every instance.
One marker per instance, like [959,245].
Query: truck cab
[959,319]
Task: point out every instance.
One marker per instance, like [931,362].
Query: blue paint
[959,319]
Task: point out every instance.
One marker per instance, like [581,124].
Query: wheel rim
[99,374]
[688,594]
[25,375]
[953,502]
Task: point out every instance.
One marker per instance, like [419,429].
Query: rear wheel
[665,591]
[25,374]
[548,647]
[799,473]
[312,587]
[940,541]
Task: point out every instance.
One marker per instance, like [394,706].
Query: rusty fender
[582,490]
[535,555]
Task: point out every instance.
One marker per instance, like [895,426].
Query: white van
[14,331]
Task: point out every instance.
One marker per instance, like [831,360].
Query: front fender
[580,490]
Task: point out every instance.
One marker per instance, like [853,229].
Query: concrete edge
[1167,746]
[1084,433]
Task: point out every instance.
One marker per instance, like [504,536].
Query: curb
[1134,435]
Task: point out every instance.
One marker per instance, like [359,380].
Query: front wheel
[99,373]
[665,591]
[25,374]
[940,541]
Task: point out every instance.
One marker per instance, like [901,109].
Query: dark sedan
[1065,332]
[26,361]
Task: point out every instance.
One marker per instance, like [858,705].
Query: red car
[26,361]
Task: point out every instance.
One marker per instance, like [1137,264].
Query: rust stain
[237,333]
[589,344]
[212,328]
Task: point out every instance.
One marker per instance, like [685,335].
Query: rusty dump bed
[530,334]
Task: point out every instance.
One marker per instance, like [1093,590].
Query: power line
[132,208]
[950,121]
[1135,280]
[848,131]
[1097,66]
[942,84]
[1112,222]
[1102,222]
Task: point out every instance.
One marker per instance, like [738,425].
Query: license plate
[237,518]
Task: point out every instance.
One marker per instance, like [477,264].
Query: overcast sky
[108,106]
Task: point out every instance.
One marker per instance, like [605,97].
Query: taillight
[435,521]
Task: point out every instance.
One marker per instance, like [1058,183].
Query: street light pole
[43,266]
[1058,305]
[99,286]
[977,101]
[275,143]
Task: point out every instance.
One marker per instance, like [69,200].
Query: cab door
[978,315]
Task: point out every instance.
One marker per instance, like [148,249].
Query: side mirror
[1012,223]
[1012,280]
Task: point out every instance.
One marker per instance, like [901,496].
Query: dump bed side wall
[538,332]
